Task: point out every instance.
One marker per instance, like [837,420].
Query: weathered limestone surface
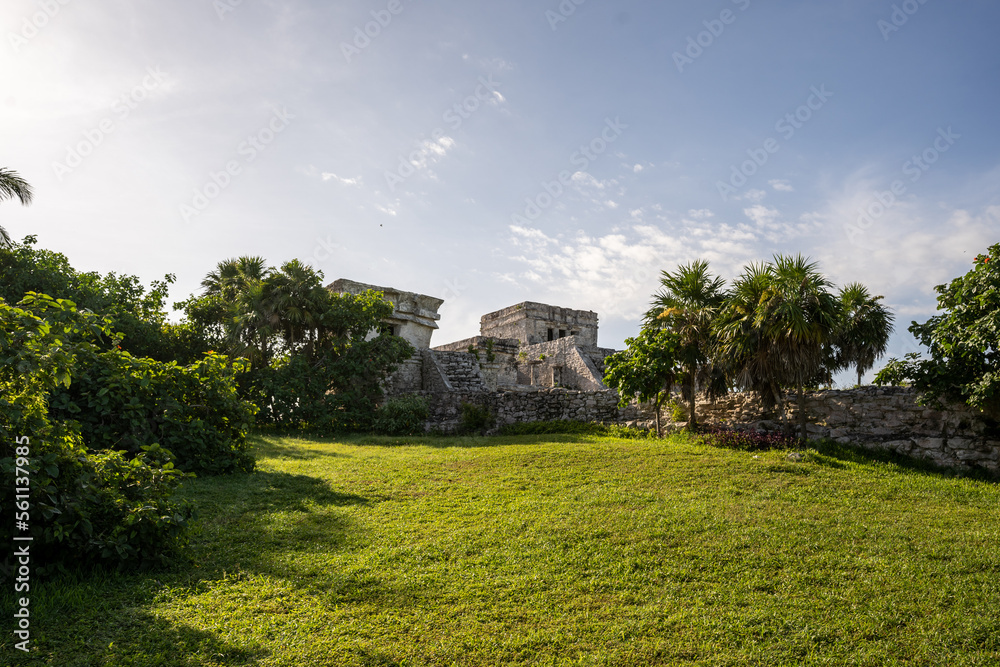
[565,362]
[414,317]
[886,418]
[531,323]
[530,404]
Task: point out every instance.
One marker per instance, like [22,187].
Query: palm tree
[12,185]
[865,328]
[802,320]
[236,285]
[296,300]
[235,275]
[749,357]
[687,305]
[777,328]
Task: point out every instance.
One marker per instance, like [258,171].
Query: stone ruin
[520,347]
[535,362]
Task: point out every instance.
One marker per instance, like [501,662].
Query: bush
[83,506]
[404,415]
[332,391]
[476,418]
[749,440]
[126,403]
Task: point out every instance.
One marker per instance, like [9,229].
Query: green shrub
[475,418]
[125,403]
[333,391]
[403,415]
[83,506]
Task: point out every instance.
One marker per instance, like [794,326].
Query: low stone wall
[885,418]
[532,404]
[877,418]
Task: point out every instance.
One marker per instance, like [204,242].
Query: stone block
[929,444]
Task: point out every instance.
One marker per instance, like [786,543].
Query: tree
[687,305]
[749,356]
[963,342]
[313,362]
[12,185]
[802,317]
[647,369]
[777,328]
[137,312]
[865,327]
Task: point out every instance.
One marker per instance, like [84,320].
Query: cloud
[619,270]
[429,152]
[329,176]
[701,213]
[763,216]
[388,209]
[781,185]
[583,179]
[753,195]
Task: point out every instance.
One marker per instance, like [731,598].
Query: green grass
[551,550]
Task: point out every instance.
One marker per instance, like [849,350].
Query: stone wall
[883,418]
[877,418]
[532,404]
[530,322]
[567,363]
[408,376]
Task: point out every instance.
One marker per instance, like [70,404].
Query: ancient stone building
[526,345]
[535,362]
[532,323]
[414,317]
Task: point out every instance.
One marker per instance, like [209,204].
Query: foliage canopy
[963,342]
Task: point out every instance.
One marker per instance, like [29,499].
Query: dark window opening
[552,334]
[562,333]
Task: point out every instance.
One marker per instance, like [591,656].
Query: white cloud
[619,270]
[701,213]
[583,179]
[763,216]
[781,185]
[328,176]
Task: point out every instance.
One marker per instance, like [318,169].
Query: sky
[493,153]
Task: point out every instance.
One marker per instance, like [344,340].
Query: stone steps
[462,370]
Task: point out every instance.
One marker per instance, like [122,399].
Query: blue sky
[492,153]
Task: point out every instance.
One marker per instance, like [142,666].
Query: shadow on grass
[276,446]
[466,441]
[266,491]
[835,454]
[81,619]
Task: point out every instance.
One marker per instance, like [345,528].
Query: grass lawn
[550,550]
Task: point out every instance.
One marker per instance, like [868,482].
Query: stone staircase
[461,369]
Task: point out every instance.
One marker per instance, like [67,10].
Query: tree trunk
[802,412]
[785,427]
[656,414]
[692,416]
[859,378]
